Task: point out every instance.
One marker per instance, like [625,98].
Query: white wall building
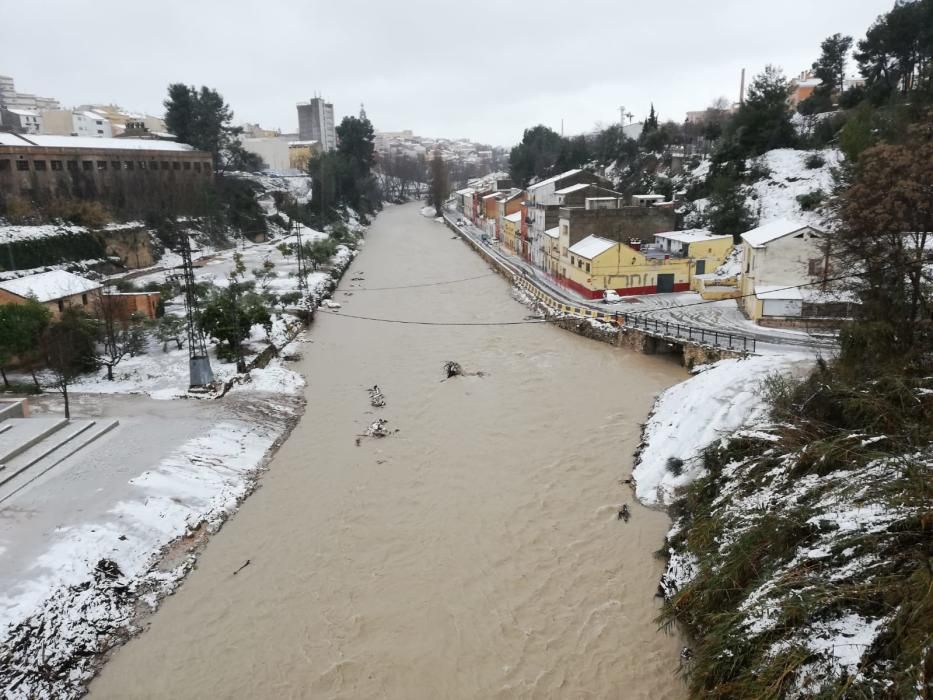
[273,150]
[27,121]
[776,259]
[64,122]
[11,99]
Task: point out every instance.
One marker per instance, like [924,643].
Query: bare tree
[118,333]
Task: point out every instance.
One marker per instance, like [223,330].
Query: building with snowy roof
[134,176]
[778,260]
[595,264]
[22,120]
[57,290]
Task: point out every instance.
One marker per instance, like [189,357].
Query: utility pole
[199,364]
[303,301]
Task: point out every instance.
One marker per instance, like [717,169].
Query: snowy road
[687,308]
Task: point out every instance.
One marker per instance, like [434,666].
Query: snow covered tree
[118,335]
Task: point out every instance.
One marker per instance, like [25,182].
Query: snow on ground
[73,571]
[775,197]
[718,400]
[11,234]
[99,523]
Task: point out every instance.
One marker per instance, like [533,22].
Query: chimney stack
[742,89]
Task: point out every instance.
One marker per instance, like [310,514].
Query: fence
[690,334]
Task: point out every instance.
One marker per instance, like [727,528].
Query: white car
[610,296]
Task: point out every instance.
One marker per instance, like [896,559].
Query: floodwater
[475,553]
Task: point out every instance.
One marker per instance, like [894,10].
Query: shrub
[20,211]
[90,213]
[757,171]
[811,200]
[675,465]
[814,161]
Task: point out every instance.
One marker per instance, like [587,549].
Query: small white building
[28,121]
[780,260]
[677,243]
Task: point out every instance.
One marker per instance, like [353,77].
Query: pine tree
[536,156]
[651,123]
[763,122]
[830,67]
[201,118]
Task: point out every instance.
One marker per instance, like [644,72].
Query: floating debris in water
[453,369]
[376,397]
[624,514]
[378,429]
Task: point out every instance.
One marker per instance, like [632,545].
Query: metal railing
[667,330]
[690,334]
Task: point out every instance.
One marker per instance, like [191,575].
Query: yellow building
[595,264]
[300,152]
[511,231]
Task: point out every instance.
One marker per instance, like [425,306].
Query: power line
[413,286]
[436,323]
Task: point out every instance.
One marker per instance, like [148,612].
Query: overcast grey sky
[475,68]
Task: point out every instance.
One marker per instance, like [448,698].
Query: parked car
[610,296]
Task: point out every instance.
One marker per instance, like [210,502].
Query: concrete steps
[58,445]
[22,434]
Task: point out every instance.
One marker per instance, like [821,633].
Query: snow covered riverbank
[715,403]
[798,501]
[97,541]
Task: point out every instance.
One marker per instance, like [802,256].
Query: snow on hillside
[298,186]
[719,400]
[775,197]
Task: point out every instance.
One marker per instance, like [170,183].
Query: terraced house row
[591,239]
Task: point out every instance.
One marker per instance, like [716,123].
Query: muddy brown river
[475,553]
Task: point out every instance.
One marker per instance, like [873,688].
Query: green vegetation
[821,525]
[21,327]
[68,350]
[30,253]
[202,119]
[344,178]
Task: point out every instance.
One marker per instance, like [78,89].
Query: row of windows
[579,262]
[89,165]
